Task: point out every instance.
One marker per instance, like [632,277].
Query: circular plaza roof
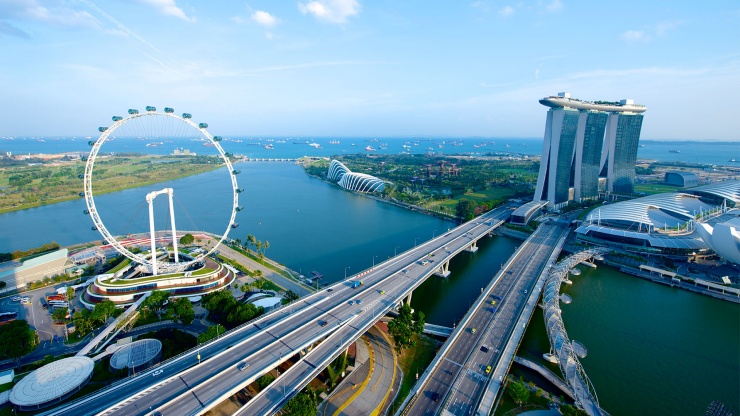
[136,354]
[52,382]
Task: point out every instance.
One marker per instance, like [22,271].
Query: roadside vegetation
[36,182]
[412,361]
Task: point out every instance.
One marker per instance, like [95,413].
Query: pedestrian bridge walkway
[563,351]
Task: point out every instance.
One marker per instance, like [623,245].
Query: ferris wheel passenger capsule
[133,111]
[239,190]
[94,228]
[116,118]
[81,176]
[83,158]
[187,115]
[102,129]
[150,108]
[169,110]
[203,125]
[235,172]
[86,212]
[234,224]
[81,194]
[239,208]
[217,138]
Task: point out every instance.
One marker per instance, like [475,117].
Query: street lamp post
[433,234]
[394,250]
[415,238]
[345,271]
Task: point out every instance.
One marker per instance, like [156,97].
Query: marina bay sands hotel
[588,147]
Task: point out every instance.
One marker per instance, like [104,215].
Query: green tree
[17,339]
[102,311]
[156,302]
[59,315]
[70,293]
[182,310]
[250,241]
[465,209]
[405,326]
[300,405]
[82,322]
[568,410]
[212,332]
[518,392]
[265,380]
[187,239]
[290,296]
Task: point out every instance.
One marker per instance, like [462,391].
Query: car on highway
[158,372]
[472,330]
[525,291]
[484,348]
[434,396]
[329,290]
[351,302]
[382,292]
[488,370]
[358,301]
[493,302]
[242,365]
[405,271]
[16,298]
[323,323]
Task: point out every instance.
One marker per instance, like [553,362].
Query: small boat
[333,141]
[733,160]
[369,149]
[208,144]
[268,147]
[675,151]
[315,145]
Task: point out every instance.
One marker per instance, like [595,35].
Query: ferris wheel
[154,128]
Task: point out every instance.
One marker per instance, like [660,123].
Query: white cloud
[35,10]
[168,8]
[506,11]
[332,11]
[555,5]
[263,18]
[635,36]
[650,32]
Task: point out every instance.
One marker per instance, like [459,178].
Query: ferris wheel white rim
[98,222]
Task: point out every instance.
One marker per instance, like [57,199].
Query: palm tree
[265,246]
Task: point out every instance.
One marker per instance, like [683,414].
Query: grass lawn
[6,386]
[655,188]
[413,360]
[478,197]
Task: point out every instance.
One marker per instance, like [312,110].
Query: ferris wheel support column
[150,200]
[170,191]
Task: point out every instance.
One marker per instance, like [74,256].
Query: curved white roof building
[361,182]
[667,223]
[724,238]
[353,181]
[337,170]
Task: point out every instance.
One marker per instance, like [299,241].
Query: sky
[358,68]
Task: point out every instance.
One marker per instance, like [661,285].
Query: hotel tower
[588,147]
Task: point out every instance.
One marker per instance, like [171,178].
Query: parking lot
[34,313]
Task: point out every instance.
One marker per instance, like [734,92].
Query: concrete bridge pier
[444,269]
[472,248]
[408,298]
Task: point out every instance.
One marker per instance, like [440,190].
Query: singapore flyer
[173,176]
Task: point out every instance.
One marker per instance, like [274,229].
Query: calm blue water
[693,152]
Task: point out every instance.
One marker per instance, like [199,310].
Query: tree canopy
[17,339]
[465,209]
[223,308]
[182,310]
[405,326]
[300,405]
[518,392]
[211,332]
[187,239]
[155,302]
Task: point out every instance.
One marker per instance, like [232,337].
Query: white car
[16,298]
[156,373]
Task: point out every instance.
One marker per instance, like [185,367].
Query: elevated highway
[476,357]
[198,380]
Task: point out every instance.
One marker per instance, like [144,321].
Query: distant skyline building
[583,142]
